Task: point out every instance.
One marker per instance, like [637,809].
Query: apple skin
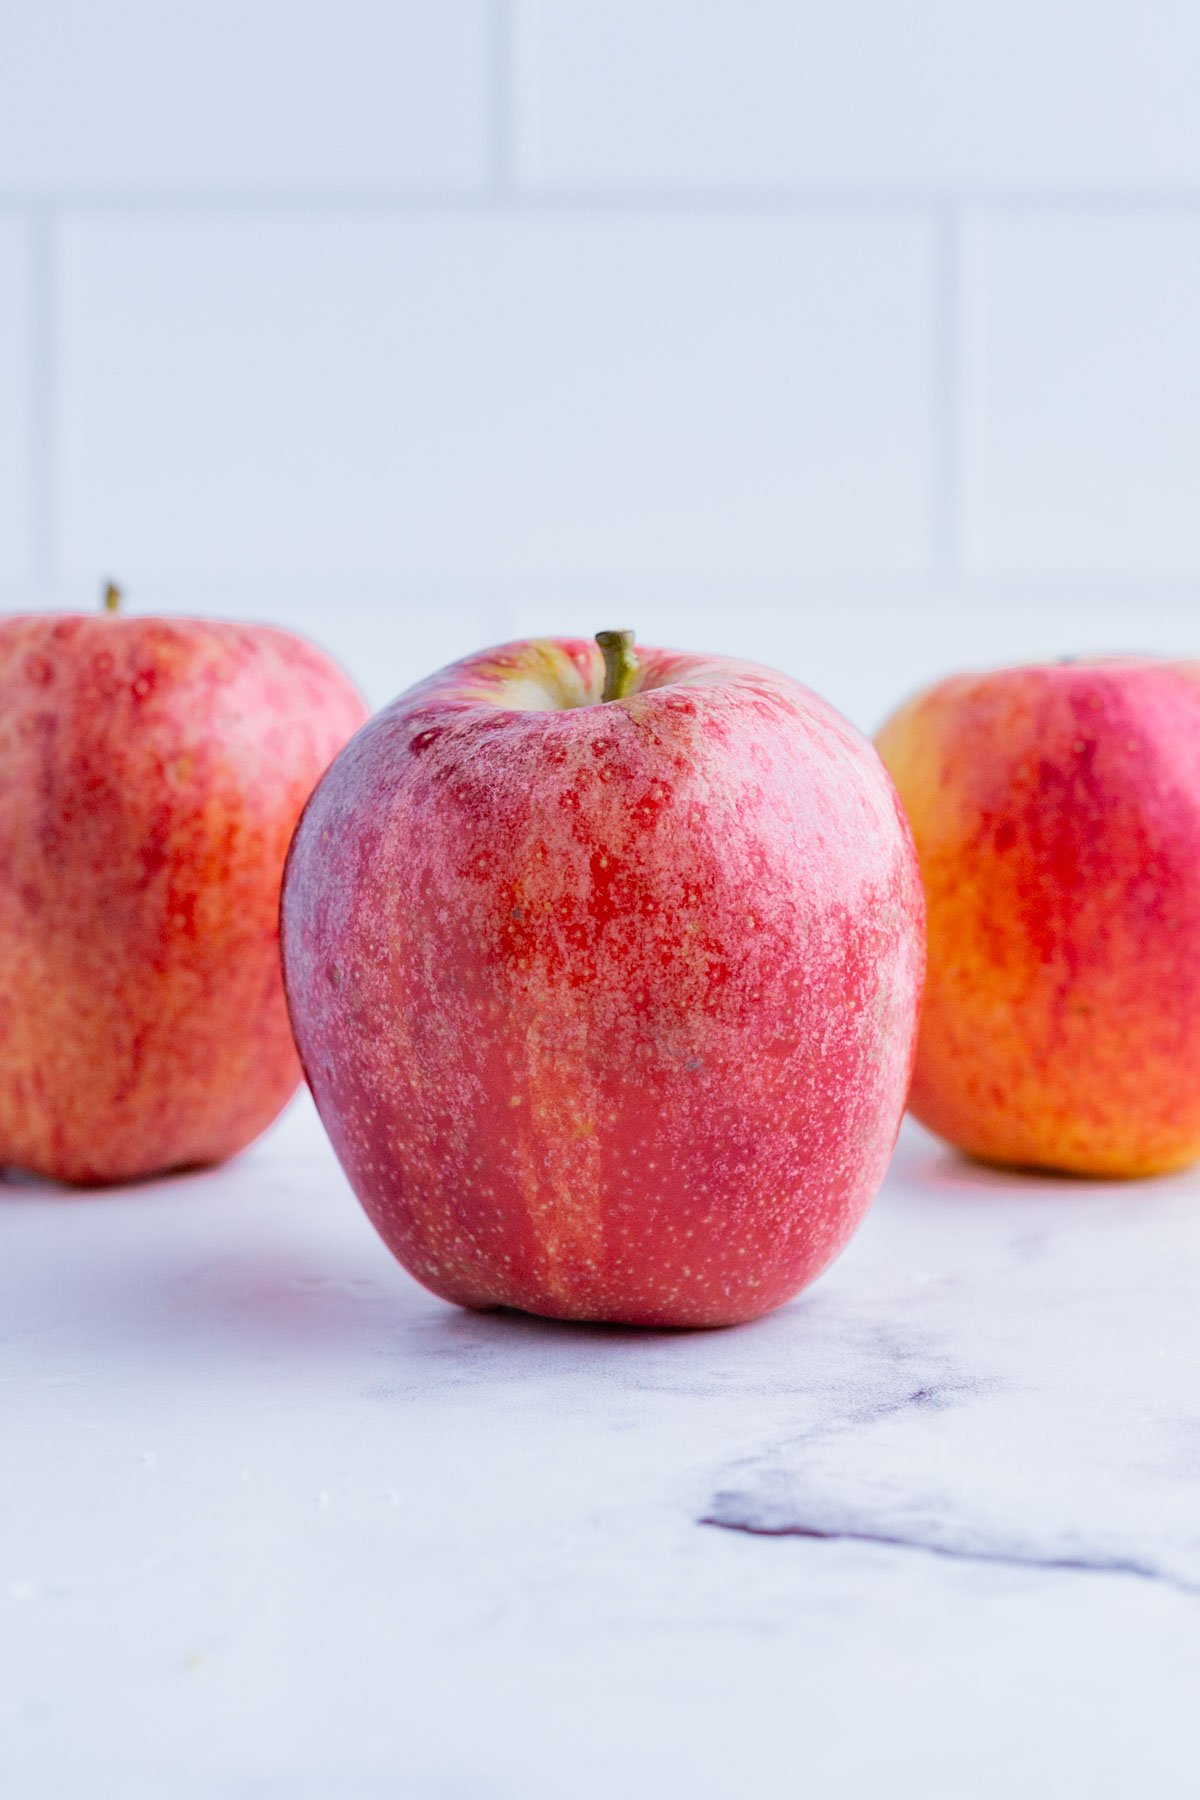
[609,1009]
[151,774]
[1056,812]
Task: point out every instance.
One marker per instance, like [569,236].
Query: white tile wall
[1081,395]
[480,397]
[725,95]
[295,96]
[17,441]
[859,338]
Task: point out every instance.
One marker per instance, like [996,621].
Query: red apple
[151,774]
[607,987]
[1056,810]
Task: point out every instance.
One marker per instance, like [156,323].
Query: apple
[151,773]
[604,968]
[1056,811]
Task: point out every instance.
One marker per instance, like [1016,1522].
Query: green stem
[620,664]
[112,597]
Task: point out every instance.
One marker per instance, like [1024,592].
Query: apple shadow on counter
[380,1333]
[17,1184]
[155,1286]
[944,1170]
[1037,1202]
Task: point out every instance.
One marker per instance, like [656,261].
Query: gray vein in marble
[762,1512]
[977,1469]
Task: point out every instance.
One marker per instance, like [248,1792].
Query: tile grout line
[384,595]
[500,190]
[946,372]
[502,97]
[40,222]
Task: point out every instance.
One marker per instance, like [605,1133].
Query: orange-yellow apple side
[151,775]
[1056,813]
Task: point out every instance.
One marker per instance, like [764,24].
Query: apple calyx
[112,597]
[620,663]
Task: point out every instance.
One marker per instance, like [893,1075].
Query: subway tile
[1081,395]
[493,398]
[771,94]
[158,95]
[16,403]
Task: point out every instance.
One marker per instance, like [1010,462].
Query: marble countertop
[275,1522]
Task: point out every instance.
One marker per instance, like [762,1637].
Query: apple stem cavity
[112,597]
[620,663]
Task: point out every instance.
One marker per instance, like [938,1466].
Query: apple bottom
[711,1291]
[605,1214]
[1070,1113]
[94,1137]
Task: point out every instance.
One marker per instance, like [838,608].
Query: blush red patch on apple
[604,963]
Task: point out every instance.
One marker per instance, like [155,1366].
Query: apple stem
[620,664]
[112,597]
